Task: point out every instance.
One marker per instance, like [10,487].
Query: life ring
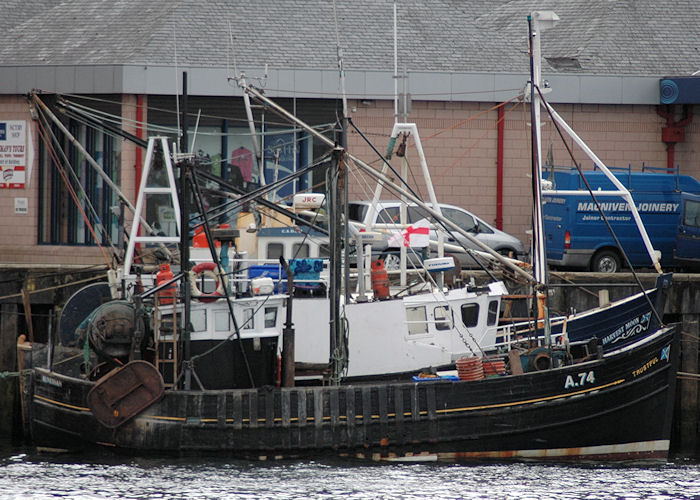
[209,270]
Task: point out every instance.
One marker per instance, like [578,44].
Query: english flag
[416,235]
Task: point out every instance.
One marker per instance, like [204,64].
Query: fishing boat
[176,369]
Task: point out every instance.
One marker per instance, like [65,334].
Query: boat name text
[629,329]
[51,381]
[645,367]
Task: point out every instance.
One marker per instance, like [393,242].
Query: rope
[473,118]
[688,376]
[14,374]
[56,287]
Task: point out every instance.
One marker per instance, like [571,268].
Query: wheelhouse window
[493,313]
[300,250]
[199,320]
[275,250]
[417,320]
[222,321]
[248,319]
[470,315]
[270,317]
[443,318]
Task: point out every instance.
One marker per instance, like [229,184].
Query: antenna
[396,69]
[196,127]
[177,90]
[232,48]
[340,62]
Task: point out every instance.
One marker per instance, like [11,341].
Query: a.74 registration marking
[581,380]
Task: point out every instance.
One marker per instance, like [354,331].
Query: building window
[74,200]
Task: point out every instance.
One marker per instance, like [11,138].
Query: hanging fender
[208,270]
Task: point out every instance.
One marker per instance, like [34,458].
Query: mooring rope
[8,374]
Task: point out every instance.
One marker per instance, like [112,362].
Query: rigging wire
[600,209]
[478,139]
[119,120]
[258,193]
[412,191]
[473,117]
[71,171]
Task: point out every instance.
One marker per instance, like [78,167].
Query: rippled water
[29,475]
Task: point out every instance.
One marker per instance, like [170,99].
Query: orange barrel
[380,280]
[470,368]
[165,296]
[493,366]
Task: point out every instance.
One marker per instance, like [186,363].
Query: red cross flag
[417,235]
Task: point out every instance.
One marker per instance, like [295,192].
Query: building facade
[464,78]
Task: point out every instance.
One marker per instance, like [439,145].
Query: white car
[387,213]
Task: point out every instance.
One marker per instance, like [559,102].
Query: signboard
[21,206]
[13,154]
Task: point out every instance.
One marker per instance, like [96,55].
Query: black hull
[621,323]
[615,326]
[619,408]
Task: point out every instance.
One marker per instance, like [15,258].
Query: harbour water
[25,474]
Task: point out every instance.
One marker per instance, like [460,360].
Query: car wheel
[606,261]
[507,252]
[392,262]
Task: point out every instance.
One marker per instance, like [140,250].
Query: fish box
[272,271]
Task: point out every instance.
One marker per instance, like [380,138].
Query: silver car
[387,213]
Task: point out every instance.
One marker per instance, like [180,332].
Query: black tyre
[507,252]
[606,261]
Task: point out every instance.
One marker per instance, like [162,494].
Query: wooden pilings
[687,389]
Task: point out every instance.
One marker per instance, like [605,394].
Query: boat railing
[253,276]
[517,332]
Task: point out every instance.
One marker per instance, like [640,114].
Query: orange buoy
[167,295]
[470,368]
[380,280]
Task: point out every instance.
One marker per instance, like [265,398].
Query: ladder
[166,337]
[158,202]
